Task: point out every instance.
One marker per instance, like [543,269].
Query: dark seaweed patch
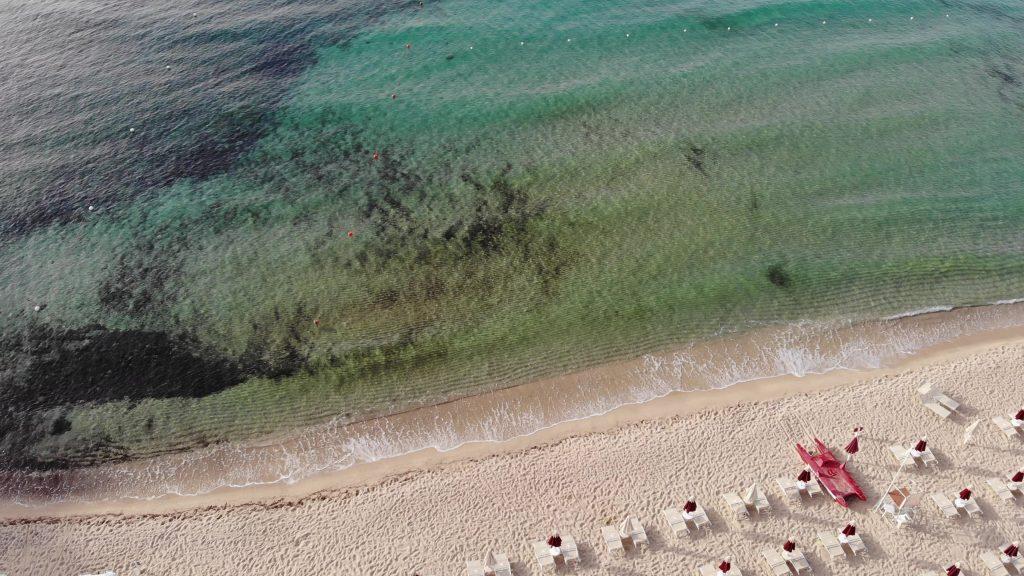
[778,276]
[695,156]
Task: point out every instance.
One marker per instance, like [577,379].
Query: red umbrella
[953,570]
[724,567]
[1011,550]
[921,445]
[804,476]
[1019,415]
[690,506]
[789,545]
[555,541]
[1018,477]
[965,494]
[849,530]
[854,446]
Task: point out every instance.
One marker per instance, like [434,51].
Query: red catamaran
[831,473]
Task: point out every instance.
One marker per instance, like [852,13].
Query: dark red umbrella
[1011,550]
[1019,415]
[849,530]
[965,494]
[555,541]
[953,570]
[1018,477]
[724,567]
[789,545]
[690,507]
[921,445]
[854,446]
[804,476]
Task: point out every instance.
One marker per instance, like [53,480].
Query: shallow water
[531,188]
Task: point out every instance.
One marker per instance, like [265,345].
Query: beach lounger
[1005,427]
[500,565]
[814,489]
[712,570]
[633,530]
[542,553]
[972,508]
[676,522]
[736,504]
[610,535]
[1000,488]
[901,454]
[798,561]
[757,500]
[476,568]
[856,544]
[700,519]
[570,552]
[945,505]
[933,394]
[788,488]
[994,564]
[937,408]
[831,544]
[928,457]
[776,563]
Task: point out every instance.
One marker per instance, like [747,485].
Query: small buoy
[776,24]
[316,322]
[684,30]
[824,21]
[194,14]
[911,17]
[522,43]
[351,233]
[408,46]
[947,15]
[91,208]
[728,27]
[568,39]
[627,34]
[394,96]
[37,307]
[168,67]
[376,155]
[871,20]
[470,47]
[131,129]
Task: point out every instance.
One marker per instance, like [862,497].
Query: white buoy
[168,67]
[568,39]
[522,43]
[728,27]
[91,208]
[37,308]
[684,29]
[911,17]
[871,20]
[131,129]
[947,15]
[824,21]
[470,47]
[776,24]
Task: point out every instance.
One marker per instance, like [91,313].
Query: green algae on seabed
[539,205]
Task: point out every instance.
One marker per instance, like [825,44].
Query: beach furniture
[756,499]
[994,564]
[736,504]
[937,402]
[899,505]
[632,530]
[776,563]
[1000,488]
[570,552]
[970,506]
[793,490]
[832,546]
[945,505]
[476,568]
[548,556]
[544,556]
[926,457]
[711,569]
[610,535]
[1004,425]
[856,544]
[798,561]
[700,519]
[676,522]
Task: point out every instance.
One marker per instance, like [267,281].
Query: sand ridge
[432,521]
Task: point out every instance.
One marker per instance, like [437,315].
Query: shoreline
[675,404]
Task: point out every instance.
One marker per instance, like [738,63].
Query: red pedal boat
[831,473]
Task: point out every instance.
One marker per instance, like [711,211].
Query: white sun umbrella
[489,559]
[969,431]
[626,529]
[753,493]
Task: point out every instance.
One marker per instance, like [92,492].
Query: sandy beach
[431,513]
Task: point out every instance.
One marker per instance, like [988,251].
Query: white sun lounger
[972,508]
[676,522]
[635,532]
[501,566]
[712,570]
[700,519]
[736,504]
[927,457]
[798,561]
[1005,427]
[476,568]
[610,535]
[831,544]
[776,563]
[570,552]
[945,505]
[756,499]
[542,554]
[788,488]
[994,564]
[931,394]
[1000,488]
[856,544]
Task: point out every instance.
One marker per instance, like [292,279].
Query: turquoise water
[530,188]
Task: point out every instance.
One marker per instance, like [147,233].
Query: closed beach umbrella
[965,494]
[1018,477]
[854,446]
[921,445]
[555,541]
[804,476]
[1019,415]
[1011,550]
[690,507]
[953,570]
[724,567]
[850,529]
[789,545]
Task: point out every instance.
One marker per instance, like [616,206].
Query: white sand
[433,520]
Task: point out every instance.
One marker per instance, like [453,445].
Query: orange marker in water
[351,233]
